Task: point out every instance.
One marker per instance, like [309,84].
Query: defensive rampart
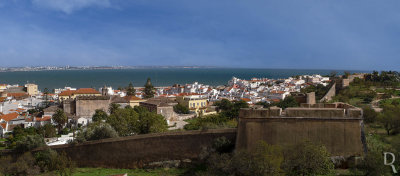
[331,93]
[337,126]
[140,150]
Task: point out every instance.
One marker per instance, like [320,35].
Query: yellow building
[32,89]
[80,92]
[3,87]
[195,103]
[134,100]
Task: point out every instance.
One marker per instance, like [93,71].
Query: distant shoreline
[66,68]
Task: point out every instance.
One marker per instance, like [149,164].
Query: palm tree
[60,118]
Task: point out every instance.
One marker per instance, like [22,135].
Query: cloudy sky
[317,34]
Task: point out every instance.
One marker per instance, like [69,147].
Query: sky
[307,34]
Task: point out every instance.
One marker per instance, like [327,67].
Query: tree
[99,115]
[150,122]
[124,121]
[369,115]
[307,158]
[148,89]
[60,118]
[47,131]
[53,163]
[46,97]
[113,108]
[390,118]
[96,131]
[231,109]
[264,159]
[29,142]
[224,105]
[130,90]
[180,109]
[288,102]
[23,165]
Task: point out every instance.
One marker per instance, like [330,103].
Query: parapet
[320,110]
[260,113]
[93,98]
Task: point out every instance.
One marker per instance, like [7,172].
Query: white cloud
[69,6]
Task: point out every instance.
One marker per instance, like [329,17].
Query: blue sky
[316,34]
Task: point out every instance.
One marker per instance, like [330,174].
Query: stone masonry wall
[331,93]
[138,151]
[86,108]
[339,130]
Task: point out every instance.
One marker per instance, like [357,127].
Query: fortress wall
[315,112]
[137,151]
[86,108]
[342,137]
[331,93]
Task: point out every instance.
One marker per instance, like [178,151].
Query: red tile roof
[3,125]
[2,99]
[8,117]
[133,98]
[79,91]
[44,118]
[187,94]
[246,99]
[16,94]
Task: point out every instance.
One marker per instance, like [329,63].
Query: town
[301,114]
[80,104]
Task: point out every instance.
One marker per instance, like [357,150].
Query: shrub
[23,165]
[96,131]
[50,161]
[223,145]
[180,109]
[307,158]
[29,142]
[263,160]
[369,115]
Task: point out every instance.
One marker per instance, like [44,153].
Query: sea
[160,77]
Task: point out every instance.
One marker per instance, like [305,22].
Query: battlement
[338,126]
[320,110]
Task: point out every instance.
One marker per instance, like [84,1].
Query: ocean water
[159,76]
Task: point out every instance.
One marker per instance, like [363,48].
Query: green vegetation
[47,162]
[96,131]
[286,103]
[23,139]
[226,118]
[29,142]
[60,118]
[130,90]
[149,90]
[122,122]
[135,172]
[320,90]
[363,91]
[388,102]
[180,109]
[359,93]
[230,109]
[99,115]
[370,116]
[307,158]
[211,121]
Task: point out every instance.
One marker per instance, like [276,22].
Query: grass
[131,172]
